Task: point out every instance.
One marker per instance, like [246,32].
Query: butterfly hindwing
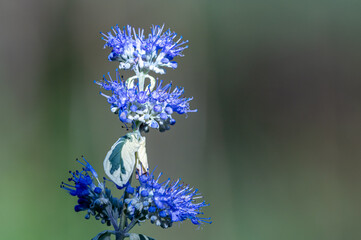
[141,156]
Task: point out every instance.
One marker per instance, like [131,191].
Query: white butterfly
[126,153]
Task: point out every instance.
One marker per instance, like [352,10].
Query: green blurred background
[274,147]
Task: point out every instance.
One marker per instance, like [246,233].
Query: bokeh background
[275,147]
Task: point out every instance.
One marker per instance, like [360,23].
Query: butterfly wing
[141,157]
[120,160]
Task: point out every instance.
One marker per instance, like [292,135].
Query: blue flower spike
[141,102]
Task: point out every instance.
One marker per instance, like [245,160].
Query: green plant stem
[113,220]
[131,225]
[119,235]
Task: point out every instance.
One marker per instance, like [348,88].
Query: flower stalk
[142,106]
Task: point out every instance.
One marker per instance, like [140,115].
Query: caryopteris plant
[141,102]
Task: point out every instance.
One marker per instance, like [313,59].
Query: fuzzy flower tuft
[134,51]
[165,203]
[151,108]
[92,195]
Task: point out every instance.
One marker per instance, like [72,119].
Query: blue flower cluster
[93,197]
[134,51]
[164,203]
[142,106]
[153,108]
[161,203]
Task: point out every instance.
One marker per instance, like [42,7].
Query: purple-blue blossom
[165,203]
[149,107]
[92,196]
[143,54]
[143,102]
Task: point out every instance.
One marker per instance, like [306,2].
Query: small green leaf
[120,160]
[105,235]
[135,236]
